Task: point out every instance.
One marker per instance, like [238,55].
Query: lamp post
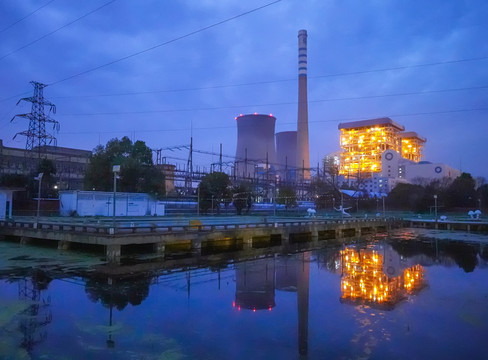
[38,178]
[435,208]
[116,170]
[110,341]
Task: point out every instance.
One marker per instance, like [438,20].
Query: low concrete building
[395,166]
[99,203]
[71,164]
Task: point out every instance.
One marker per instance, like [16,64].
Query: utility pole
[220,158]
[189,179]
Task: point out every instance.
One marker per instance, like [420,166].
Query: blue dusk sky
[163,71]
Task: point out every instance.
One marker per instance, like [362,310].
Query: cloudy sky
[162,71]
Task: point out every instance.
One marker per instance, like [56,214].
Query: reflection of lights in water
[363,278]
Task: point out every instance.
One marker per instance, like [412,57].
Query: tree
[461,193]
[287,196]
[48,169]
[482,195]
[242,197]
[214,189]
[332,169]
[323,192]
[406,197]
[480,181]
[137,171]
[14,180]
[434,187]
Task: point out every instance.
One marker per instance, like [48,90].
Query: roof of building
[64,150]
[371,122]
[412,135]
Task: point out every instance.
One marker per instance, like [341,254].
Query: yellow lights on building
[363,279]
[363,142]
[413,278]
[412,146]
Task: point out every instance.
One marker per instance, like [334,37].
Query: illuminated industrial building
[412,145]
[369,276]
[363,143]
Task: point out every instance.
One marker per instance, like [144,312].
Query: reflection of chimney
[303,151]
[303,286]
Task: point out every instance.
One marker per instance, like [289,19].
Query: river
[411,294]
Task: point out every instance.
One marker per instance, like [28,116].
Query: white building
[379,185]
[99,203]
[393,165]
[395,170]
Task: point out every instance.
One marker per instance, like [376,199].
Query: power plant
[255,135]
[255,144]
[261,154]
[286,154]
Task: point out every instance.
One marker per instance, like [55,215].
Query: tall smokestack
[303,151]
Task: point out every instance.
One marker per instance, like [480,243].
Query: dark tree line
[461,193]
[49,180]
[137,170]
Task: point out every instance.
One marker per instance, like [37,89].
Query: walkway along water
[195,237]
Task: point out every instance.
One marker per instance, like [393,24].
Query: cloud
[343,37]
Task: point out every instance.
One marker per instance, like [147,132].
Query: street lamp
[435,207]
[116,170]
[38,178]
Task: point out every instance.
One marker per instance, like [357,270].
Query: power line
[280,103]
[165,43]
[54,31]
[289,123]
[263,82]
[220,86]
[25,17]
[408,66]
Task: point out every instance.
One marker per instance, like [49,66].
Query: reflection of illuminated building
[255,285]
[413,279]
[371,276]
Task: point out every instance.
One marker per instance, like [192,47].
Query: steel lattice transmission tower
[36,134]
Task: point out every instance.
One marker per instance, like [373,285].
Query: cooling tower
[255,143]
[286,154]
[303,151]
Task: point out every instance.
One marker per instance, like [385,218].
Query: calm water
[390,298]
